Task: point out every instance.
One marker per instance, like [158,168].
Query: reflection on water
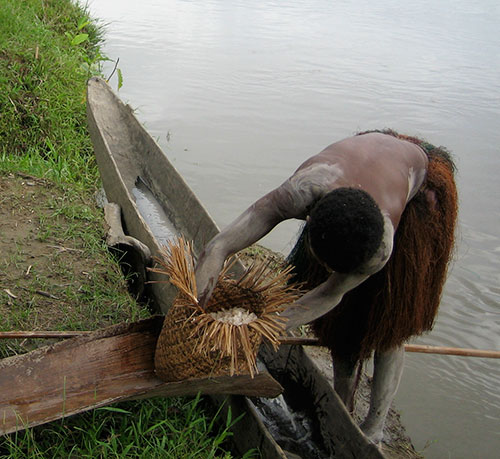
[239,93]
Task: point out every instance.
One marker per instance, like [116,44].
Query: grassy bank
[55,269]
[47,51]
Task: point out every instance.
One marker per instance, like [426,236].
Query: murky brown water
[239,93]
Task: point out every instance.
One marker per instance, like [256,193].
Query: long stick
[410,348]
[41,334]
[464,352]
[452,351]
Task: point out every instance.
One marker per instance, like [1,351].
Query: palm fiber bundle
[223,337]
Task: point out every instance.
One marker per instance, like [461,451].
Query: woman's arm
[329,294]
[321,299]
[253,224]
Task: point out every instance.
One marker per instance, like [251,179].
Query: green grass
[43,73]
[48,50]
[56,237]
[176,428]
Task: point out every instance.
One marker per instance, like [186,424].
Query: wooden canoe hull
[125,151]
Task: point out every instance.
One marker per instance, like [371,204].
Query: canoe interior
[133,169]
[138,177]
[142,164]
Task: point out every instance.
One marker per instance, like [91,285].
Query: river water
[239,93]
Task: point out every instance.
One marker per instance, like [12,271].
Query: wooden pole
[409,348]
[41,334]
[452,351]
[291,340]
[288,340]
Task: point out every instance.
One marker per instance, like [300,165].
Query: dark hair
[345,228]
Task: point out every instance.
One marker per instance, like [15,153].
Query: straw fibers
[223,337]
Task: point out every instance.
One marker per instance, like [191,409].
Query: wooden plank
[98,369]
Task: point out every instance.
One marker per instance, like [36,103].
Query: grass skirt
[402,299]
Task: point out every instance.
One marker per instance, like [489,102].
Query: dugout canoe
[156,204]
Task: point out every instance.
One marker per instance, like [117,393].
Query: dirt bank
[51,274]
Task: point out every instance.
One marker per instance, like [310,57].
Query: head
[345,229]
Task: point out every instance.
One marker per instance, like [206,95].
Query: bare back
[389,169]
